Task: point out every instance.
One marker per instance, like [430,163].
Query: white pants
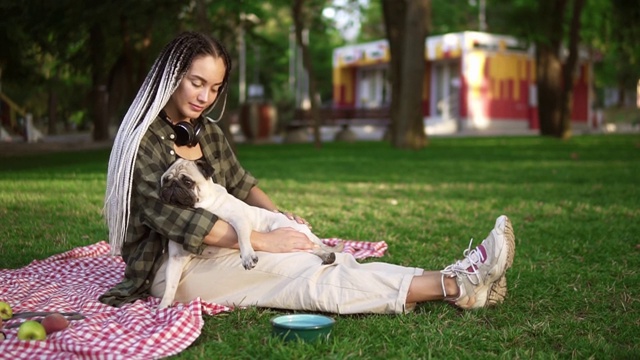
[293,281]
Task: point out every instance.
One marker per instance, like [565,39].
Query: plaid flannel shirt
[152,223]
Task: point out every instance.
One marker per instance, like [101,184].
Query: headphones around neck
[185,132]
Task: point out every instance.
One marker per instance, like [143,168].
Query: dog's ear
[205,168]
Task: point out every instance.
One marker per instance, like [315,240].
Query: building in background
[474,82]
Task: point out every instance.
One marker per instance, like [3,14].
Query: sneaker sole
[498,290]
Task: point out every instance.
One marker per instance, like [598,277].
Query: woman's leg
[476,281]
[427,287]
[294,281]
[298,281]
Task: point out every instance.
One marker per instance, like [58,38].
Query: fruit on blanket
[54,322]
[5,311]
[31,330]
[2,336]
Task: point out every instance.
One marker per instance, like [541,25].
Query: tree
[554,75]
[138,21]
[69,46]
[76,59]
[407,23]
[301,11]
[36,60]
[554,27]
[610,31]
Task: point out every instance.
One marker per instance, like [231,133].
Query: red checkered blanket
[360,249]
[73,281]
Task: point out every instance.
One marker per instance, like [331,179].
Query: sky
[346,15]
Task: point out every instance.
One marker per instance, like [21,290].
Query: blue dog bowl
[304,327]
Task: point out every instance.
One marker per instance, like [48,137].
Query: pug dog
[188,183]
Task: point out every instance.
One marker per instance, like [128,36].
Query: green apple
[5,311]
[31,330]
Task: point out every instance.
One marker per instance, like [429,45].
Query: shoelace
[472,260]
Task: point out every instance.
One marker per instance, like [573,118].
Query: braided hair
[162,80]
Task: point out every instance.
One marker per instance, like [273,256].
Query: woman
[168,120]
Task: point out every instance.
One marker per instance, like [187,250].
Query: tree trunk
[549,83]
[121,77]
[143,56]
[569,69]
[299,16]
[407,24]
[202,18]
[394,14]
[53,104]
[622,90]
[554,75]
[99,94]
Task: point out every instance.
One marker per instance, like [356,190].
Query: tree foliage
[81,56]
[93,56]
[554,28]
[59,57]
[301,12]
[612,34]
[609,31]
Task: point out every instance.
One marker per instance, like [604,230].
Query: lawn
[575,205]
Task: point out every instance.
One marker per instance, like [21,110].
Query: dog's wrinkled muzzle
[174,192]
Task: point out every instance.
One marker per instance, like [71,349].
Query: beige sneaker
[481,274]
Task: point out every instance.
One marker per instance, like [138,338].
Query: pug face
[181,184]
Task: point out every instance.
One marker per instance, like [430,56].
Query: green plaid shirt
[152,223]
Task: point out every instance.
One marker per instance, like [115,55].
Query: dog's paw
[164,305]
[328,258]
[249,261]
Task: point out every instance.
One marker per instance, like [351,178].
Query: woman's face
[198,89]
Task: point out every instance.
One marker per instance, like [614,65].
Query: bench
[297,129]
[342,117]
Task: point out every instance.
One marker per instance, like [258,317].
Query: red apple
[54,322]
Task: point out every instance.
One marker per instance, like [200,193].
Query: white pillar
[33,134]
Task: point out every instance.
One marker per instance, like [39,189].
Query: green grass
[575,205]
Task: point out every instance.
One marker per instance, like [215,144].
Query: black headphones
[185,132]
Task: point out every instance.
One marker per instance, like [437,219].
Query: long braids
[161,81]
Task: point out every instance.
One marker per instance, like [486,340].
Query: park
[569,186]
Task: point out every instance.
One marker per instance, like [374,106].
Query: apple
[54,322]
[31,330]
[5,311]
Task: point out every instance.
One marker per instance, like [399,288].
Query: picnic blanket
[72,282]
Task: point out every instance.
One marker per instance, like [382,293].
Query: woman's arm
[280,240]
[242,185]
[258,198]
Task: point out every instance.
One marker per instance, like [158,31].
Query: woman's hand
[258,198]
[282,240]
[296,218]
